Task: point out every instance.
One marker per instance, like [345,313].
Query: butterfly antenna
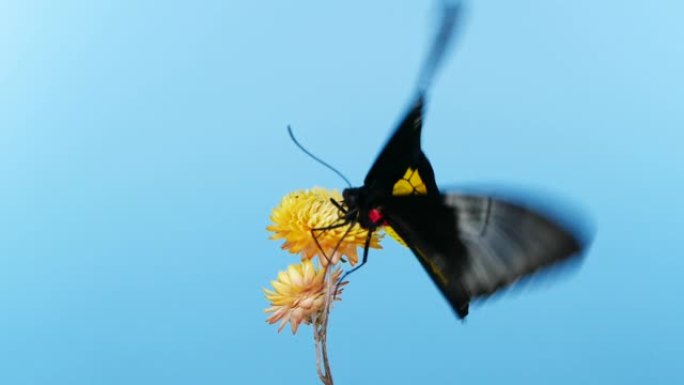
[314,157]
[452,15]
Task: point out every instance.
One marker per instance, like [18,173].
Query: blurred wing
[401,155]
[472,246]
[507,241]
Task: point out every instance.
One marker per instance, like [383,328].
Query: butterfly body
[364,207]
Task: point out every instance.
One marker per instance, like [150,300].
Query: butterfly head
[360,208]
[351,197]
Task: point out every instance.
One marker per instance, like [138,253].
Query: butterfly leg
[338,205]
[337,246]
[366,247]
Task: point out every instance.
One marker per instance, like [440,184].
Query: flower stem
[320,327]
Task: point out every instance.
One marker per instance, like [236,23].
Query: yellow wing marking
[410,184]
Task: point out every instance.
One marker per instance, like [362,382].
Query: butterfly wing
[428,227]
[472,245]
[507,241]
[402,153]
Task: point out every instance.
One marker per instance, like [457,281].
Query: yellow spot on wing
[402,187]
[411,183]
[417,183]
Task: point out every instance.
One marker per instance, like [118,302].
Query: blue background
[143,145]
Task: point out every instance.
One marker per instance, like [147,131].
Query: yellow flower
[299,294]
[301,211]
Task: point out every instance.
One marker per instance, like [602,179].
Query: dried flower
[299,294]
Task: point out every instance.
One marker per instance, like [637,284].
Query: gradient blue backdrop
[143,145]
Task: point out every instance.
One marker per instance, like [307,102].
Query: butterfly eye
[350,197]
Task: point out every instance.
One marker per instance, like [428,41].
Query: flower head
[301,212]
[299,294]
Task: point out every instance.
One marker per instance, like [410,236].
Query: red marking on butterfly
[376,216]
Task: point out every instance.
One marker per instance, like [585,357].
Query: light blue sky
[142,147]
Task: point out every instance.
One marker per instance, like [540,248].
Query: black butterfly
[470,245]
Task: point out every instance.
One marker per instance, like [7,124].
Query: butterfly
[471,245]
